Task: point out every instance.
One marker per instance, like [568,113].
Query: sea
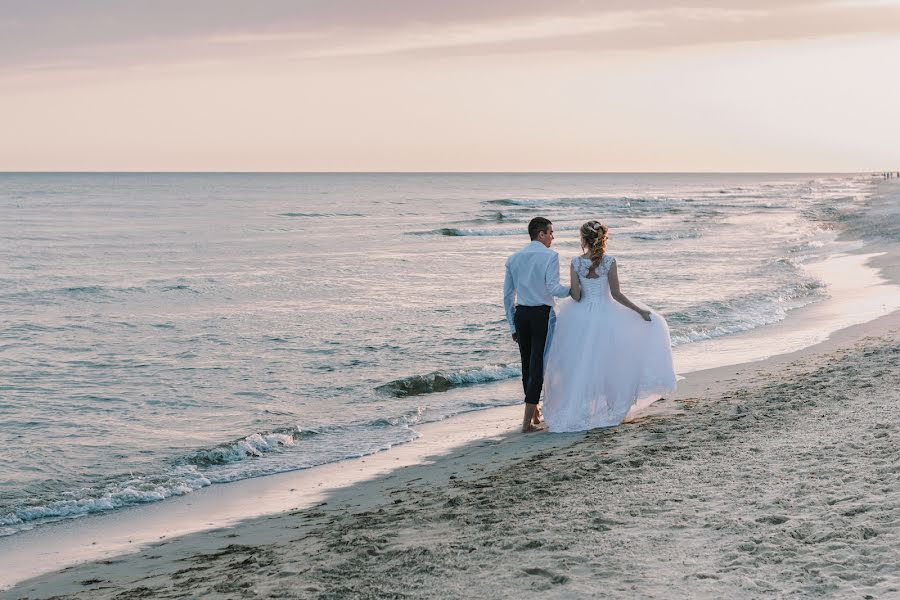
[161,333]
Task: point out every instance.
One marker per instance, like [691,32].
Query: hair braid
[593,237]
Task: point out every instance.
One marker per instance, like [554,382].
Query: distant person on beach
[529,288]
[608,356]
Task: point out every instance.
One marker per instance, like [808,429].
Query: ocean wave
[180,287]
[297,215]
[455,232]
[743,313]
[666,235]
[832,212]
[257,445]
[135,490]
[741,193]
[876,217]
[786,262]
[98,289]
[530,203]
[440,381]
[486,232]
[574,201]
[809,245]
[254,445]
[219,464]
[494,217]
[606,207]
[82,289]
[84,293]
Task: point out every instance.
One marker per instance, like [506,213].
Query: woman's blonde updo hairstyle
[594,235]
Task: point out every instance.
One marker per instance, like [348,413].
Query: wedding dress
[604,359]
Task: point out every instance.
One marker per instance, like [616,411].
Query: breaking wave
[128,492]
[440,381]
[254,445]
[742,313]
[666,235]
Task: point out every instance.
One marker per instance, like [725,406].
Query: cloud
[653,30]
[60,35]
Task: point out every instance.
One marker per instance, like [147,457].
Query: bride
[608,355]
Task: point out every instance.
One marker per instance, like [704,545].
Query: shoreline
[718,391]
[429,457]
[223,505]
[373,484]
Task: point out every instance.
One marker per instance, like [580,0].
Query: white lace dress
[604,360]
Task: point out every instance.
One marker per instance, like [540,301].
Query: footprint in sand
[772,520]
[545,573]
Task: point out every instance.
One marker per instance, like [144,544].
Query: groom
[532,280]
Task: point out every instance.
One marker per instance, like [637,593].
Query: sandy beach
[771,479]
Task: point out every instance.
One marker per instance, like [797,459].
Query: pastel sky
[462,85]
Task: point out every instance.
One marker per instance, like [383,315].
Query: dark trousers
[531,327]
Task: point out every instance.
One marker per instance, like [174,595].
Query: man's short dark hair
[537,225]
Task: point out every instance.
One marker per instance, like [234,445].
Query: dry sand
[773,479]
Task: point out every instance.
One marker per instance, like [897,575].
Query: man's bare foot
[530,429]
[529,417]
[538,417]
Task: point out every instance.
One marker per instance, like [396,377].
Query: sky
[463,85]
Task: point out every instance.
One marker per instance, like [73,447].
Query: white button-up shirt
[532,279]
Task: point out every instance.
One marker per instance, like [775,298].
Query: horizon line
[222,172]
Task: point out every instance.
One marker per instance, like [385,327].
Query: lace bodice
[594,289]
